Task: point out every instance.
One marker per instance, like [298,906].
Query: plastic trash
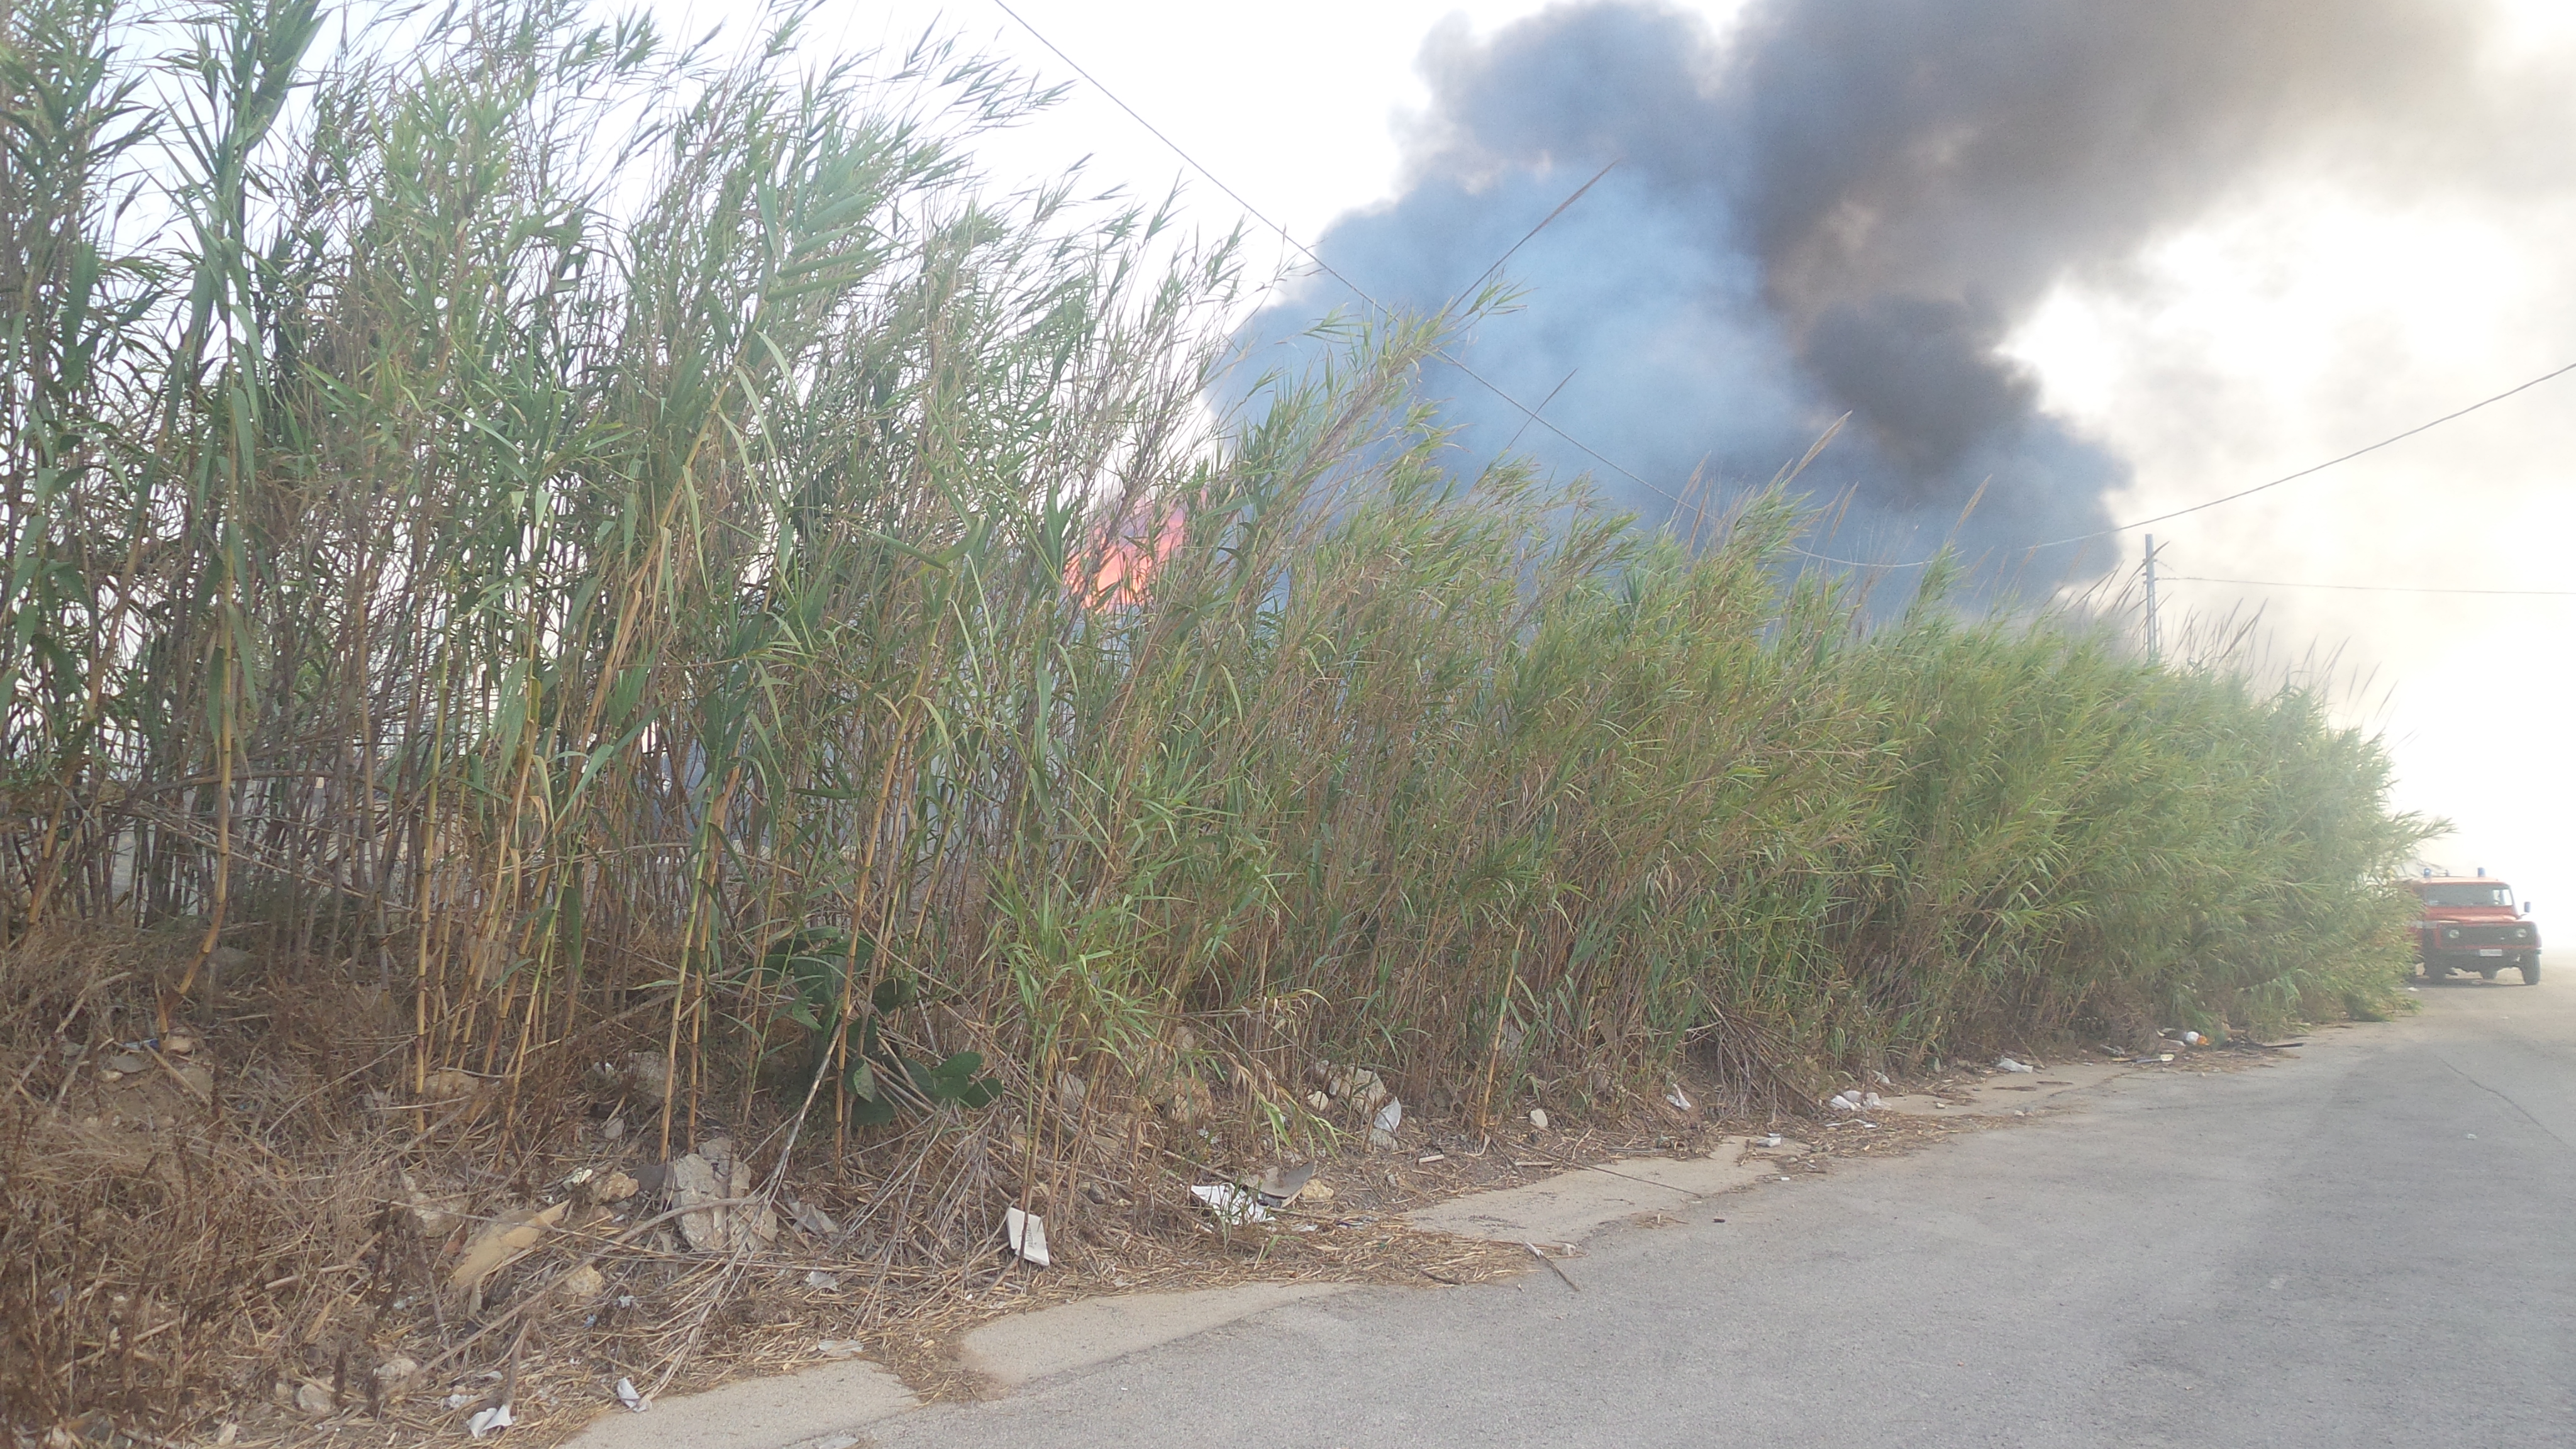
[1382,1126]
[1844,1102]
[491,1421]
[1231,1204]
[812,1219]
[2007,1064]
[1279,1186]
[626,1395]
[1027,1233]
[1680,1099]
[1538,1118]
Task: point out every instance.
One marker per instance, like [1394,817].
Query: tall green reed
[547,517]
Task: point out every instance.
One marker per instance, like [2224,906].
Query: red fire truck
[2470,923]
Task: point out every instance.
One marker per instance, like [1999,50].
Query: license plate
[2491,950]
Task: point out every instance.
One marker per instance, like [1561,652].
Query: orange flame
[1122,563]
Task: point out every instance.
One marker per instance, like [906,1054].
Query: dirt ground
[607,1289]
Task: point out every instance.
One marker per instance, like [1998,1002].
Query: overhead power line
[2120,528]
[2321,467]
[1334,272]
[1533,416]
[2375,588]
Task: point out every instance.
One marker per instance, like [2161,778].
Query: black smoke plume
[1846,206]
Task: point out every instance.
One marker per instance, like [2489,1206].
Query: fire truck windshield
[2482,894]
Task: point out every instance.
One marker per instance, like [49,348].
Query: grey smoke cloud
[1847,208]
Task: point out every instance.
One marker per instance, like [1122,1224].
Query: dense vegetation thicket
[541,520]
[626,549]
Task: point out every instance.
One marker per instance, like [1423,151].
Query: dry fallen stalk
[1553,1266]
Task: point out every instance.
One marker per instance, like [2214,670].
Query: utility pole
[2155,645]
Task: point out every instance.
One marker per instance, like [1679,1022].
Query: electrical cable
[1328,268]
[2119,528]
[2320,467]
[1532,415]
[2375,588]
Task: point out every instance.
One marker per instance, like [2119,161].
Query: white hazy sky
[2295,325]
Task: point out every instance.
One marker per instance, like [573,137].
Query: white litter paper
[491,1421]
[1230,1203]
[626,1395]
[1027,1232]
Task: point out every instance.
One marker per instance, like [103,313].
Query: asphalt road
[2366,1245]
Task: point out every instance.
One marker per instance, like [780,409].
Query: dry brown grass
[177,1235]
[266,1214]
[185,1252]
